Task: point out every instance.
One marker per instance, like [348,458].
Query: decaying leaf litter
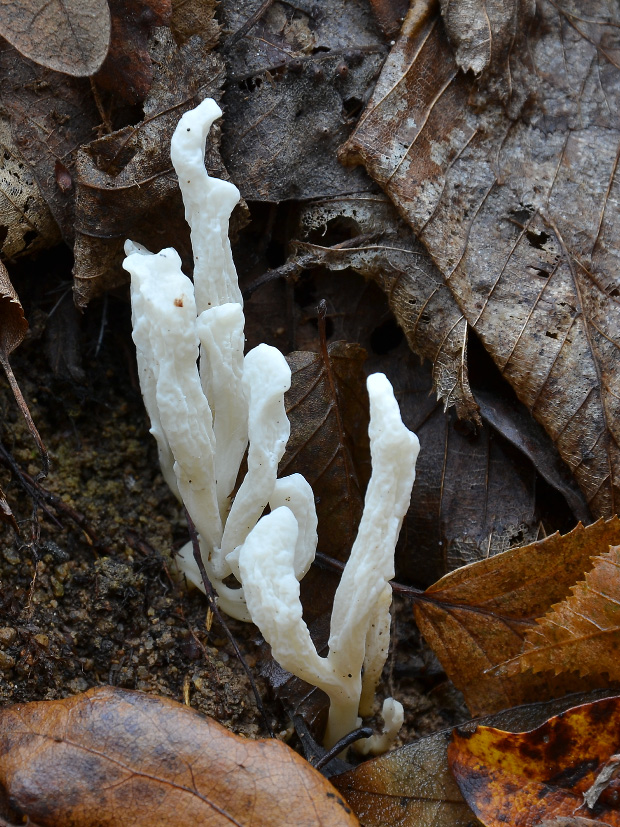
[506,173]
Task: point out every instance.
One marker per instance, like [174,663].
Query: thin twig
[32,488]
[342,744]
[216,611]
[21,402]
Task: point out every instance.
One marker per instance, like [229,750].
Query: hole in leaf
[386,337]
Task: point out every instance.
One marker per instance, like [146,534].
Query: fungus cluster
[208,404]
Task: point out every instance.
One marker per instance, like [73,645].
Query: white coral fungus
[208,404]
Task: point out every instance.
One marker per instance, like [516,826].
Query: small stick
[21,403]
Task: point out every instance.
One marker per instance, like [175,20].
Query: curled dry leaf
[70,36]
[542,775]
[516,205]
[26,223]
[583,632]
[478,616]
[128,758]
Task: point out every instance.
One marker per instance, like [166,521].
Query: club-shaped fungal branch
[208,404]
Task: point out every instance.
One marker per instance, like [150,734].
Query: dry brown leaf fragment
[190,17]
[70,36]
[583,632]
[296,84]
[50,116]
[6,515]
[483,32]
[516,205]
[413,786]
[474,495]
[328,411]
[127,758]
[478,616]
[127,70]
[26,223]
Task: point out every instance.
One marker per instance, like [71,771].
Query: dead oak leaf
[516,203]
[477,617]
[70,36]
[127,758]
[583,632]
[543,775]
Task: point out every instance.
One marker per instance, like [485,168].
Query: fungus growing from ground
[208,404]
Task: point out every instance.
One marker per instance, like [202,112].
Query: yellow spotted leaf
[545,775]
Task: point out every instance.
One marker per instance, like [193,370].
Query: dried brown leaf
[477,617]
[26,223]
[297,82]
[389,254]
[70,36]
[13,327]
[128,758]
[583,632]
[516,206]
[13,324]
[190,17]
[127,71]
[413,785]
[483,32]
[51,115]
[474,495]
[512,421]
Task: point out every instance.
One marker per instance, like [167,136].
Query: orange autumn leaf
[127,758]
[544,775]
[479,616]
[583,632]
